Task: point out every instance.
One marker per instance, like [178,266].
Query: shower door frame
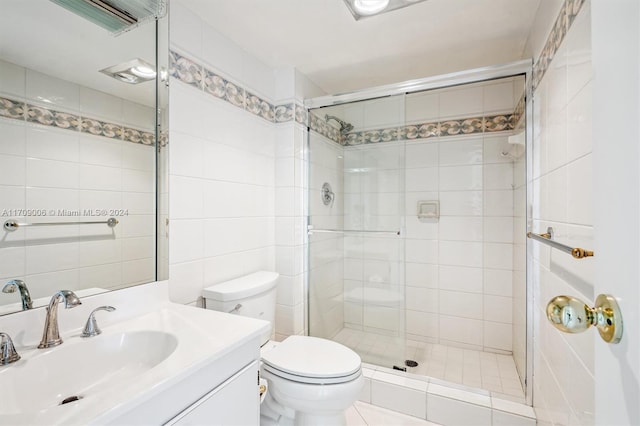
[475,75]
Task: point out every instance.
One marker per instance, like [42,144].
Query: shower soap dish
[429,210]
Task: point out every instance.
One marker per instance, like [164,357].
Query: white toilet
[312,381]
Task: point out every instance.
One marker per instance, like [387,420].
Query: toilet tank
[252,295]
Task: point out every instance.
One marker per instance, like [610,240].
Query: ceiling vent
[116,16]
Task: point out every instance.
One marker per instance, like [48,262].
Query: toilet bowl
[311,381]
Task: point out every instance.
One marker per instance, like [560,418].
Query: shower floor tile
[484,370]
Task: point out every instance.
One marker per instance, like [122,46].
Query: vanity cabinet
[234,402]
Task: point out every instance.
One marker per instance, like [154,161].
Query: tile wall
[562,163]
[77,149]
[237,156]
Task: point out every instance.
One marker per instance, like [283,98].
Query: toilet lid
[312,357]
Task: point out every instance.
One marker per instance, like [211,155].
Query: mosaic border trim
[19,110]
[457,127]
[199,76]
[565,19]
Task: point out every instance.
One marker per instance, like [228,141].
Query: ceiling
[322,40]
[45,37]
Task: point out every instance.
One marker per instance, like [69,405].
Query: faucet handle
[7,350]
[91,327]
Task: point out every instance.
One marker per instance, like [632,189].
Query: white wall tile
[100,104]
[458,278]
[498,203]
[460,178]
[498,256]
[498,229]
[186,281]
[400,399]
[421,299]
[498,97]
[422,107]
[422,179]
[49,144]
[497,309]
[44,88]
[497,335]
[498,176]
[500,418]
[187,241]
[447,411]
[457,253]
[421,275]
[460,304]
[64,174]
[422,323]
[461,203]
[461,228]
[462,102]
[463,330]
[498,282]
[461,152]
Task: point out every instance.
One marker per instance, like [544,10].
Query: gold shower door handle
[571,315]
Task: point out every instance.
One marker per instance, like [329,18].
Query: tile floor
[489,371]
[363,414]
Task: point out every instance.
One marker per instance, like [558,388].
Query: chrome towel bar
[311,230]
[11,225]
[547,238]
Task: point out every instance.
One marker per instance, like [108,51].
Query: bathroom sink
[81,369]
[152,360]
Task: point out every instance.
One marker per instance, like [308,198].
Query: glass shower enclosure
[356,221]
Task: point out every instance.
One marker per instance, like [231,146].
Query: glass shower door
[356,249]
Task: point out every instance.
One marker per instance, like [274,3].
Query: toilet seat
[312,360]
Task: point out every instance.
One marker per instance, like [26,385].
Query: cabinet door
[235,402]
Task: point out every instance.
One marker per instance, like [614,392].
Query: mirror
[78,154]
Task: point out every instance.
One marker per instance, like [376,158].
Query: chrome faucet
[8,352]
[13,285]
[91,328]
[51,334]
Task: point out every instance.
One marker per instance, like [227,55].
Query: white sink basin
[145,368]
[44,378]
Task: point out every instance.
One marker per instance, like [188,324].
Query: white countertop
[204,336]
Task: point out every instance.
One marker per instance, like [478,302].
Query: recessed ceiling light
[133,72]
[366,8]
[370,7]
[144,71]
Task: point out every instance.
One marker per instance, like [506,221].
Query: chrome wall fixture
[327,194]
[547,238]
[571,315]
[11,225]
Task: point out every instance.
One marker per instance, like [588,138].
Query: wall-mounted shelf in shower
[428,210]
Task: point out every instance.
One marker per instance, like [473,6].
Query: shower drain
[70,399]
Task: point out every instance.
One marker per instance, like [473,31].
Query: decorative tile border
[320,125]
[567,15]
[457,127]
[18,110]
[197,75]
